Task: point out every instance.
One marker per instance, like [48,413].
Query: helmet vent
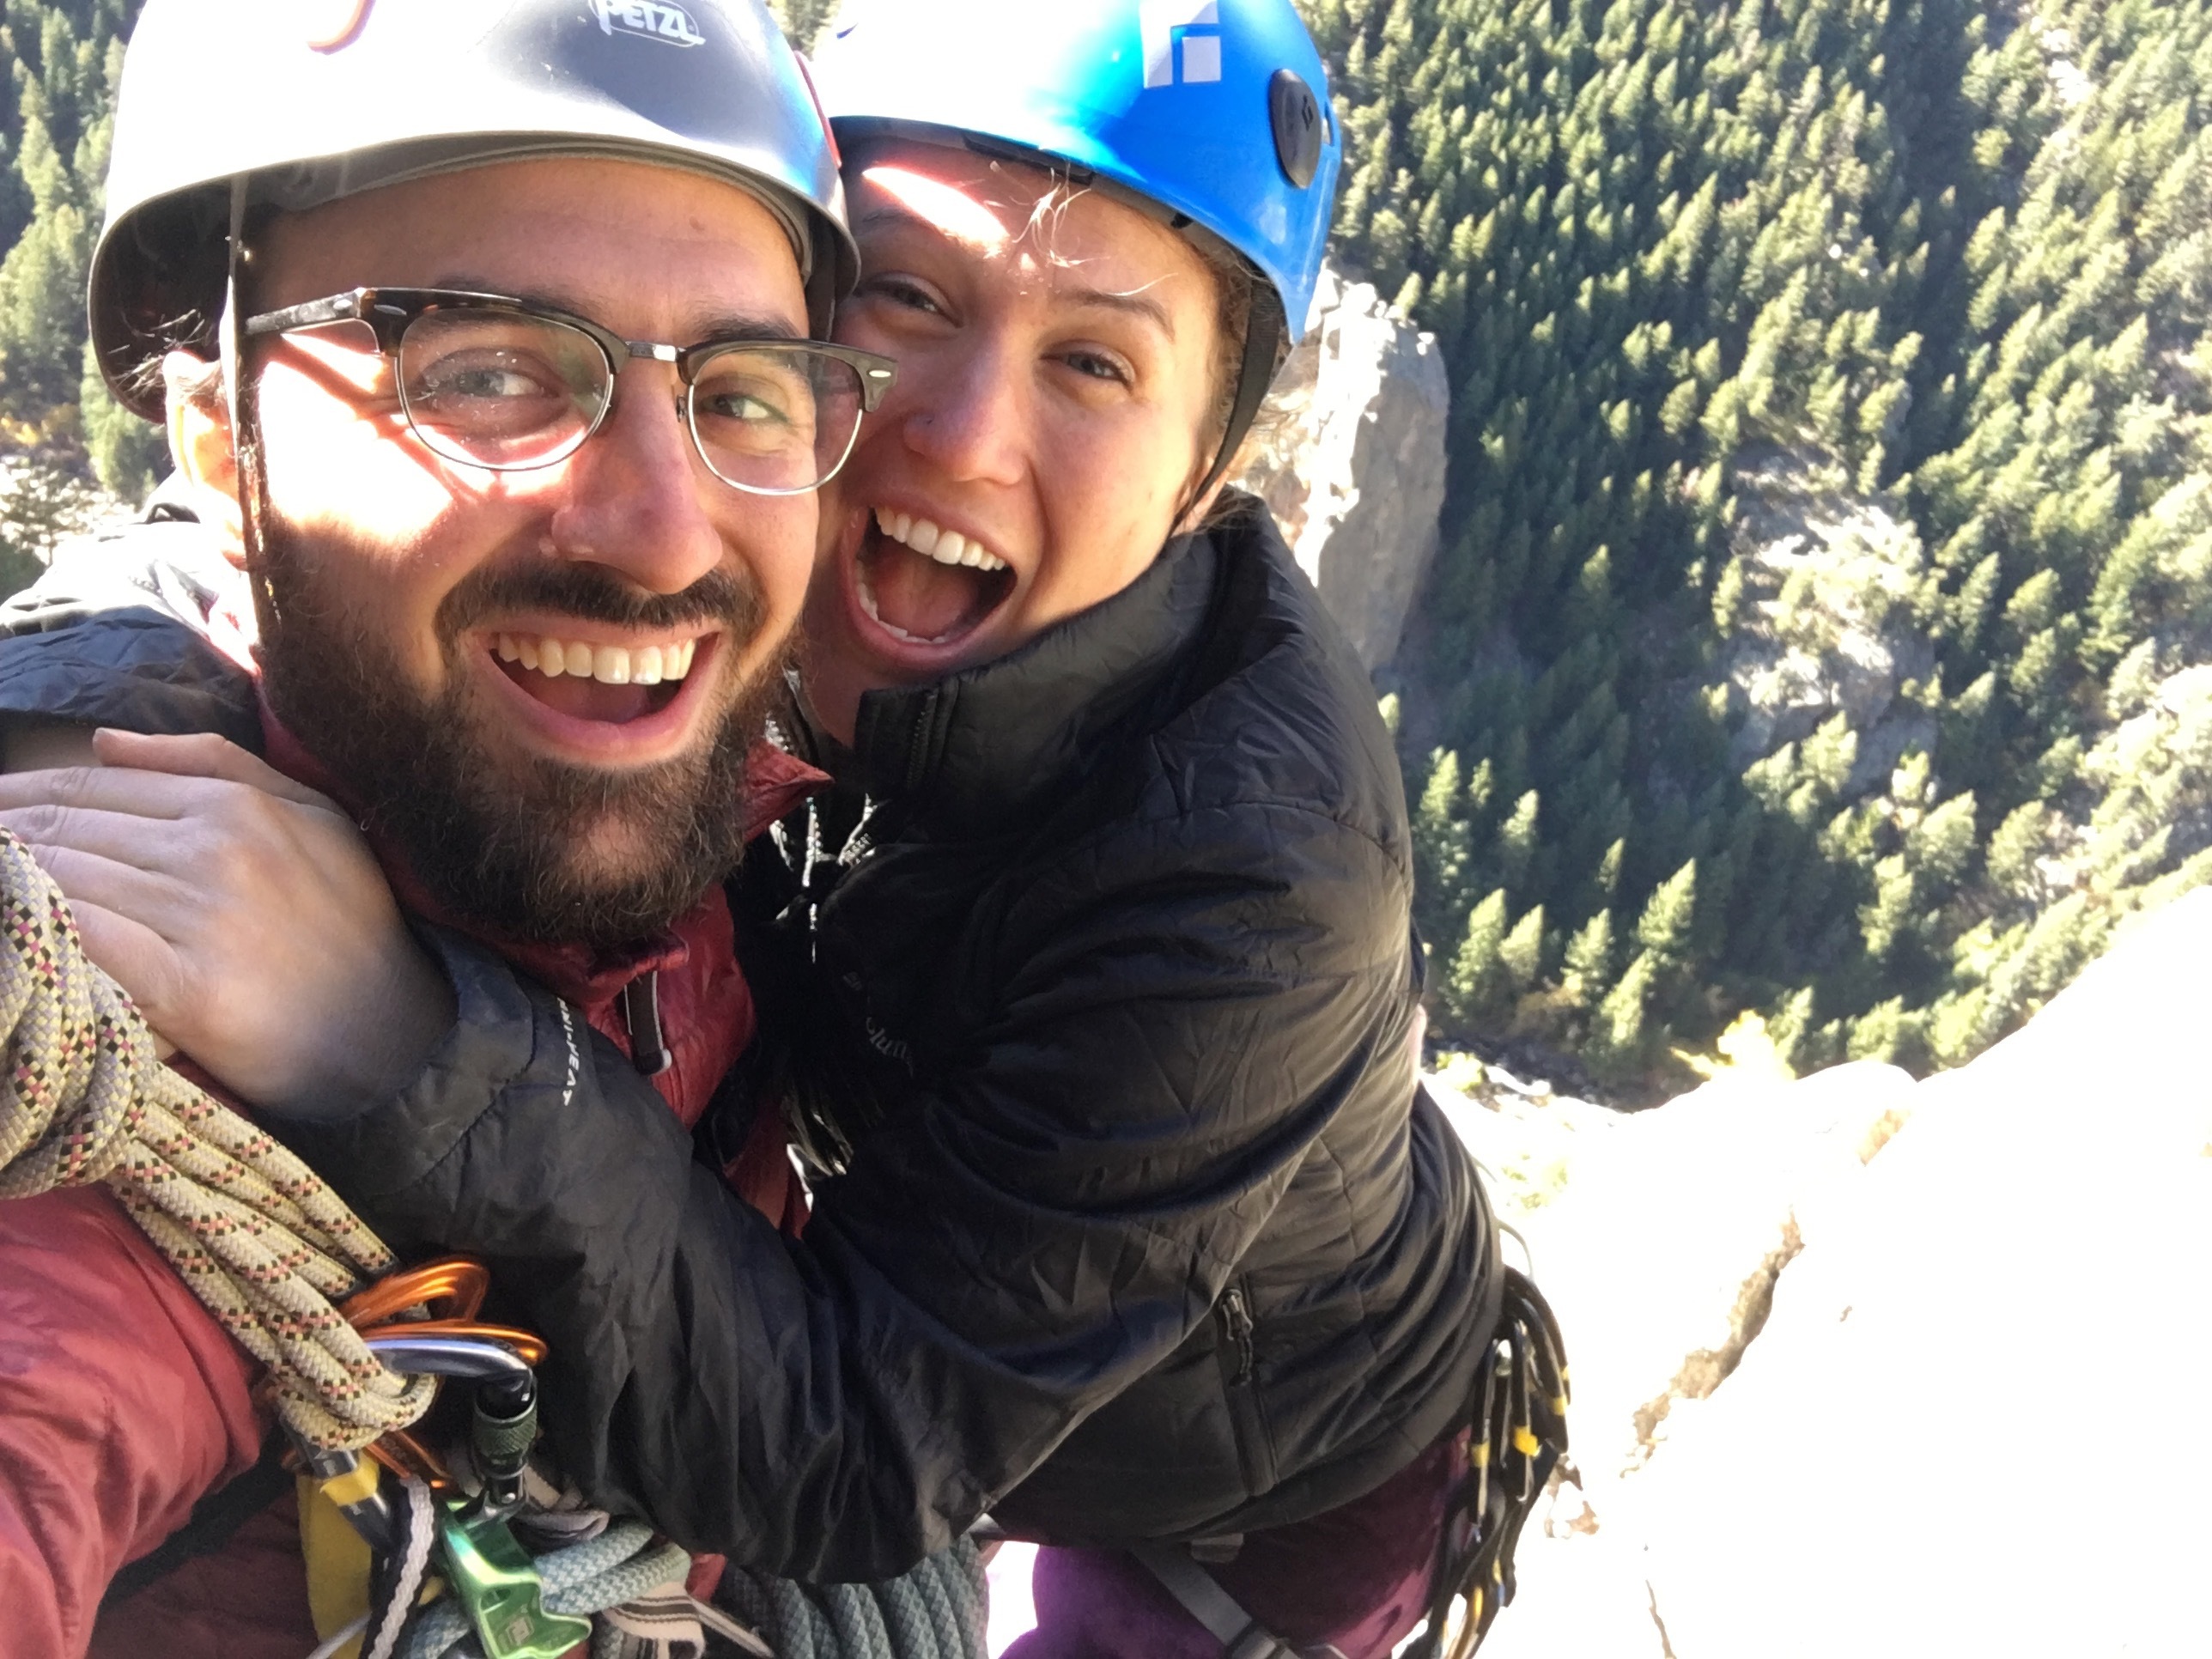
[1299,134]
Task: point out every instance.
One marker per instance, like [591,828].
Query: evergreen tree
[1954,265]
[1958,267]
[42,504]
[64,59]
[1481,982]
[803,21]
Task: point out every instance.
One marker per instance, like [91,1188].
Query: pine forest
[1823,626]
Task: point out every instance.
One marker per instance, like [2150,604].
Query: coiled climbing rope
[269,1248]
[253,1232]
[937,1611]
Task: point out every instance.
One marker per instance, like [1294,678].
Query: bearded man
[482,332]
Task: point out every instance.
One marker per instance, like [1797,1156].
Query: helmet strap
[1264,339]
[230,351]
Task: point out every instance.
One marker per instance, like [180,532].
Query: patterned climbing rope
[253,1232]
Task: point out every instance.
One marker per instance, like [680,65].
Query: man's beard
[501,844]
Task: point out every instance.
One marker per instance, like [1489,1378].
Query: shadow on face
[1060,362]
[541,682]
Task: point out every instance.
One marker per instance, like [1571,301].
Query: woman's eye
[1096,366]
[902,293]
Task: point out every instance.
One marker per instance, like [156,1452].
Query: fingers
[201,755]
[120,884]
[133,956]
[142,794]
[146,843]
[179,792]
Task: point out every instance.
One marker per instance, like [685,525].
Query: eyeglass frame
[390,311]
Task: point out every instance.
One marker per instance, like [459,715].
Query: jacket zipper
[1237,1320]
[648,1048]
[1256,1458]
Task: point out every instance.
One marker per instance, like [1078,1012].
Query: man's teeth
[609,665]
[945,546]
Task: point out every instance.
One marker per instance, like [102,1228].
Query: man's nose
[639,501]
[968,422]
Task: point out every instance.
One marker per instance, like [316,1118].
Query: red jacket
[123,1402]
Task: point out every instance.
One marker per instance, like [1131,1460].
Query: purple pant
[1357,1577]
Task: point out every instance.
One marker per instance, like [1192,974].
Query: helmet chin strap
[1266,339]
[231,333]
[230,353]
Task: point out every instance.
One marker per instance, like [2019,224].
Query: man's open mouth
[613,684]
[924,584]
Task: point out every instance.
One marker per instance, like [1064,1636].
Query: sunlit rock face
[1353,469]
[1854,1355]
[1821,605]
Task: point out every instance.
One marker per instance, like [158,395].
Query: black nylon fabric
[114,634]
[1145,1230]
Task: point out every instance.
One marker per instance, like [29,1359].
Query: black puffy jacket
[1145,1230]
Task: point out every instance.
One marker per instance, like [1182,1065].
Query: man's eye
[490,379]
[741,406]
[489,383]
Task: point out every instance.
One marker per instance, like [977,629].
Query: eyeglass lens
[509,391]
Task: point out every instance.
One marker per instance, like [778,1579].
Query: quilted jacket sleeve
[1004,1257]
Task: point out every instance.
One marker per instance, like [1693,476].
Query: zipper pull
[1237,1319]
[642,1014]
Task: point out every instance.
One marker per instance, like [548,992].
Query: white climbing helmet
[312,100]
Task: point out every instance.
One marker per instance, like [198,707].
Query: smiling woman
[1059,356]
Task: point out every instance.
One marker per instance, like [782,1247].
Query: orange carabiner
[454,1288]
[451,1293]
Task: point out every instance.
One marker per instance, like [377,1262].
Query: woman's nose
[641,502]
[967,422]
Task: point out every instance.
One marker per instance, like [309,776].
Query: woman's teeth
[609,665]
[945,546]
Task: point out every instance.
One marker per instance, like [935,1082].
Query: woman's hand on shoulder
[243,913]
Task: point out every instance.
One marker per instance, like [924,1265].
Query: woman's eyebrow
[938,211]
[1140,305]
[892,216]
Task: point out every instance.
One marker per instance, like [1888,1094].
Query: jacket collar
[775,783]
[978,744]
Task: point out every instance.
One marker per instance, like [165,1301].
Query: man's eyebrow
[721,326]
[739,326]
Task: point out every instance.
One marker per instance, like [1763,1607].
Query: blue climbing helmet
[1207,114]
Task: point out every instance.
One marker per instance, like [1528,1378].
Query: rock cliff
[1354,469]
[1866,1365]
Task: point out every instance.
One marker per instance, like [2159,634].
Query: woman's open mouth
[926,585]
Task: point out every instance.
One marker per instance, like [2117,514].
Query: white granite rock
[1355,473]
[1972,1419]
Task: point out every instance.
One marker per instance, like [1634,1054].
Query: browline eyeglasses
[493,381]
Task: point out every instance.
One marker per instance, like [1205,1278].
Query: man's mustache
[591,593]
